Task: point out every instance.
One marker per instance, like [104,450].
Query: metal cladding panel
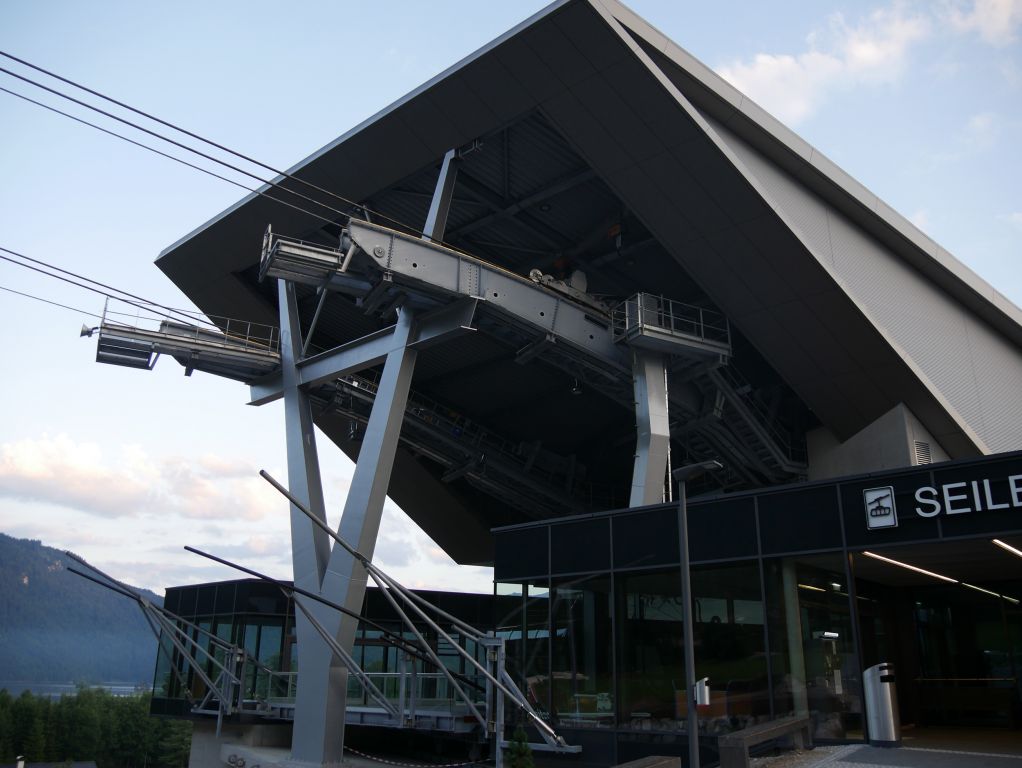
[495,85]
[999,382]
[968,364]
[550,44]
[750,264]
[587,136]
[432,125]
[609,109]
[454,97]
[589,34]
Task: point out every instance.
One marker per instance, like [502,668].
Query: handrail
[645,310]
[228,333]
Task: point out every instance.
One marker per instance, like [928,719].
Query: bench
[734,747]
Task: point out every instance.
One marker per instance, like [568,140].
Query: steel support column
[436,219]
[649,377]
[345,579]
[319,703]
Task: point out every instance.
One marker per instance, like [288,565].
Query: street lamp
[682,475]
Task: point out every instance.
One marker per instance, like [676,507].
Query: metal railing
[644,310]
[226,332]
[431,690]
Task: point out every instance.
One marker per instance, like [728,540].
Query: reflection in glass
[651,669]
[815,666]
[582,674]
[730,646]
[526,630]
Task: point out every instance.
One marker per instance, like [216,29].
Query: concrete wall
[887,443]
[207,749]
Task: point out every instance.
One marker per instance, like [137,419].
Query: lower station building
[576,261]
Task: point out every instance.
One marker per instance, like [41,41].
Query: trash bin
[882,724]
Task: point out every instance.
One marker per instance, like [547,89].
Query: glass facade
[815,666]
[782,625]
[582,671]
[958,648]
[248,614]
[787,613]
[255,616]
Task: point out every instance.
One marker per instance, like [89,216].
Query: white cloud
[874,50]
[1015,219]
[981,129]
[996,21]
[80,476]
[73,474]
[106,503]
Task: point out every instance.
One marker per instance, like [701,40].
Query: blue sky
[922,102]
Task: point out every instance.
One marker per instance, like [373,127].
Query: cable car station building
[579,259]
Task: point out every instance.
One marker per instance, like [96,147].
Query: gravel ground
[794,758]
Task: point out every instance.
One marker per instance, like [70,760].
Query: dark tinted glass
[205,600]
[722,529]
[580,547]
[522,552]
[801,520]
[646,538]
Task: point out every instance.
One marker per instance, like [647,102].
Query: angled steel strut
[501,681]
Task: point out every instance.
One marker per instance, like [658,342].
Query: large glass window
[582,678]
[815,666]
[525,627]
[651,669]
[730,645]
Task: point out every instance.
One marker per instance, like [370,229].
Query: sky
[920,101]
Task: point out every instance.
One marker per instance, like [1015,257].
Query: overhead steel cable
[95,290]
[165,154]
[181,313]
[204,140]
[176,143]
[47,301]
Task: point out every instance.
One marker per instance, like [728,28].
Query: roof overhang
[635,108]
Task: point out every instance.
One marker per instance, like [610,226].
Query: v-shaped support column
[318,735]
[652,427]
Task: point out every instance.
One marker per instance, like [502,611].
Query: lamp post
[682,475]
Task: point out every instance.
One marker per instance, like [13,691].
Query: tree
[519,751]
[6,726]
[173,743]
[29,728]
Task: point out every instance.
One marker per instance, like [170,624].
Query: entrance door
[949,616]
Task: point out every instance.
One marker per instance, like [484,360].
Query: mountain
[58,627]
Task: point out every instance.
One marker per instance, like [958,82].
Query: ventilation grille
[923,452]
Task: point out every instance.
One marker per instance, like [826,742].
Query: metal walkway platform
[233,349]
[537,317]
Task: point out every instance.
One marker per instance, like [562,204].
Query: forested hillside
[58,627]
[115,731]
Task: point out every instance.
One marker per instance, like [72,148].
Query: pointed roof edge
[369,121]
[767,134]
[961,424]
[777,141]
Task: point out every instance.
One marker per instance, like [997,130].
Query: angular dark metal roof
[594,142]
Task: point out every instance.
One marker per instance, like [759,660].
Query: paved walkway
[863,756]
